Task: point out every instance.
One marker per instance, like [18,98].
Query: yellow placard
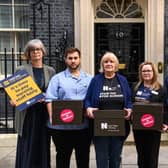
[23,90]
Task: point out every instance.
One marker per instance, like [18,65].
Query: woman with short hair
[33,145]
[109,90]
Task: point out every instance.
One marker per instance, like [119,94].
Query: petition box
[147,116]
[67,112]
[109,123]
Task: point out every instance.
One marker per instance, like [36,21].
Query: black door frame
[126,40]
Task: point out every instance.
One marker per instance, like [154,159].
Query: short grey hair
[111,56]
[31,44]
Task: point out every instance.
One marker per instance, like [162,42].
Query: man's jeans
[108,151]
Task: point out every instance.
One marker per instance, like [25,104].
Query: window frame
[14,30]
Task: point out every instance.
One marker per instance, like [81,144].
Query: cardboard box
[67,112]
[147,116]
[109,123]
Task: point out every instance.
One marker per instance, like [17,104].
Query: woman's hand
[164,127]
[12,103]
[41,100]
[128,113]
[90,111]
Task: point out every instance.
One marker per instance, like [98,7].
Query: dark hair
[72,50]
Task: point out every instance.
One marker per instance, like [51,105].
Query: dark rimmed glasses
[148,71]
[35,49]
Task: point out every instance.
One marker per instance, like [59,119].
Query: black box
[109,123]
[67,112]
[147,116]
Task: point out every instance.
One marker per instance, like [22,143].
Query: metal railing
[8,63]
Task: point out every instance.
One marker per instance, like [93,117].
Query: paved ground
[8,145]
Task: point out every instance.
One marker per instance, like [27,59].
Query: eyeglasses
[147,71]
[35,49]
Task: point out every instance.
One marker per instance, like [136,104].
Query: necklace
[109,76]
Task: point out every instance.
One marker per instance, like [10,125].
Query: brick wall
[55,27]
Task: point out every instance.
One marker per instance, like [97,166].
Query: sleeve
[166,90]
[52,90]
[19,68]
[166,83]
[52,71]
[165,111]
[88,97]
[128,95]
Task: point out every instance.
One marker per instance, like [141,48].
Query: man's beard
[73,68]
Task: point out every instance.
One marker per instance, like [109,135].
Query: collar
[69,74]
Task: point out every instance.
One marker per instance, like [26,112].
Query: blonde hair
[155,83]
[111,56]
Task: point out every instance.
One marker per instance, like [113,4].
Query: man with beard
[70,84]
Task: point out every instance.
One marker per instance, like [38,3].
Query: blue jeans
[108,151]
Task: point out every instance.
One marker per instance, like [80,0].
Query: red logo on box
[147,120]
[67,115]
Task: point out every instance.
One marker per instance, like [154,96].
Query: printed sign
[22,89]
[147,116]
[109,123]
[147,120]
[67,112]
[67,115]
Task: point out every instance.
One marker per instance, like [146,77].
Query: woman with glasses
[148,89]
[33,145]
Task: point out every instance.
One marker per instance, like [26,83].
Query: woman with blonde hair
[148,89]
[155,84]
[109,90]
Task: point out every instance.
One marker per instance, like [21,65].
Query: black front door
[126,40]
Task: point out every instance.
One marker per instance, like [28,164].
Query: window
[119,9]
[14,30]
